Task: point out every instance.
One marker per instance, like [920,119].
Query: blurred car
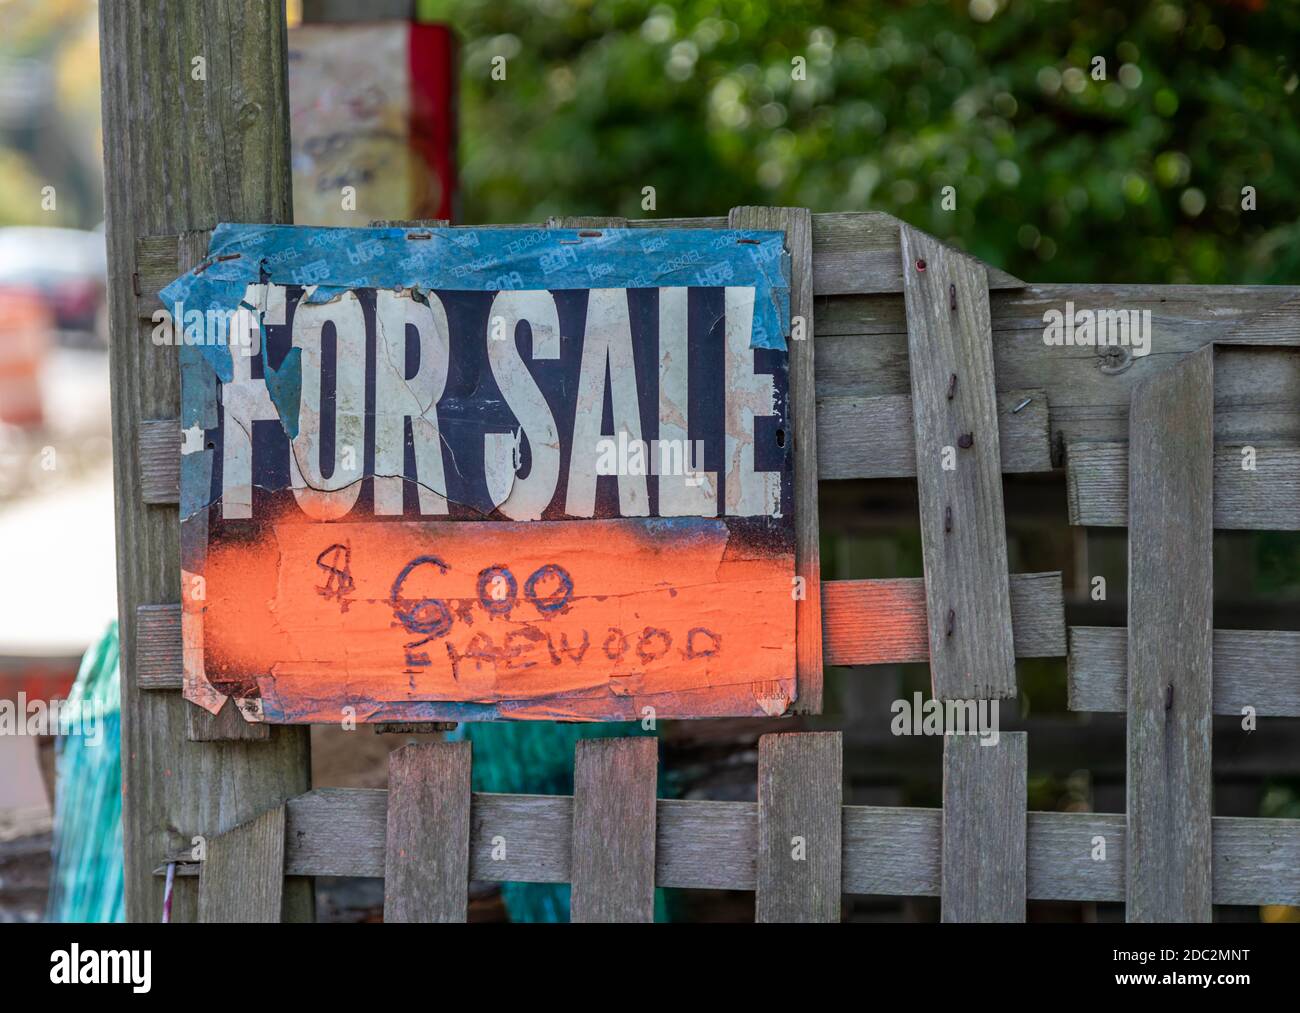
[67,267]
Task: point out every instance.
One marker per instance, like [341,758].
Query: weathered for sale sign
[462,474]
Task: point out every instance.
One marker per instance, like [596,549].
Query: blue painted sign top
[330,261]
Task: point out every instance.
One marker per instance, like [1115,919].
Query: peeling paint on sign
[527,474]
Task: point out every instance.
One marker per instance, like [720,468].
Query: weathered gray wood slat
[1266,498]
[702,843]
[886,848]
[1245,314]
[963,529]
[862,352]
[865,622]
[984,819]
[242,877]
[797,226]
[1279,324]
[1170,619]
[586,222]
[1074,856]
[613,857]
[800,827]
[713,846]
[858,252]
[1254,858]
[1259,669]
[226,158]
[873,437]
[426,865]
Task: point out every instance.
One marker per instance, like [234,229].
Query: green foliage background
[1059,177]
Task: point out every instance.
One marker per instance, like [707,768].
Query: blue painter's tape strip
[484,260]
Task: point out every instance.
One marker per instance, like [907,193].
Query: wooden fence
[798,847]
[920,352]
[429,836]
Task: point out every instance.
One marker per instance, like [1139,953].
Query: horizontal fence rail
[715,845]
[864,622]
[1259,669]
[1265,497]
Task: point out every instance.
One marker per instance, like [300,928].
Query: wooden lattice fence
[917,349]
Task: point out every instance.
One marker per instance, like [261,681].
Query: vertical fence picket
[800,825]
[984,820]
[1170,624]
[614,800]
[242,876]
[426,865]
[958,470]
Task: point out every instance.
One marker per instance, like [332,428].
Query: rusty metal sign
[462,474]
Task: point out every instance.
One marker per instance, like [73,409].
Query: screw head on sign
[920,265]
[966,441]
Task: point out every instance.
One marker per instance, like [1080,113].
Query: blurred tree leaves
[1058,175]
[50,112]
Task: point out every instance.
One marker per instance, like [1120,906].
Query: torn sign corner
[773,698]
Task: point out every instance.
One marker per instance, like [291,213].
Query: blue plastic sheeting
[87,881]
[483,260]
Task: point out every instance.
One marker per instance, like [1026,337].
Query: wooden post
[196,131]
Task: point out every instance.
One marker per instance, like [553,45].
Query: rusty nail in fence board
[952,298]
[952,621]
[966,441]
[952,386]
[1016,409]
[947,519]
